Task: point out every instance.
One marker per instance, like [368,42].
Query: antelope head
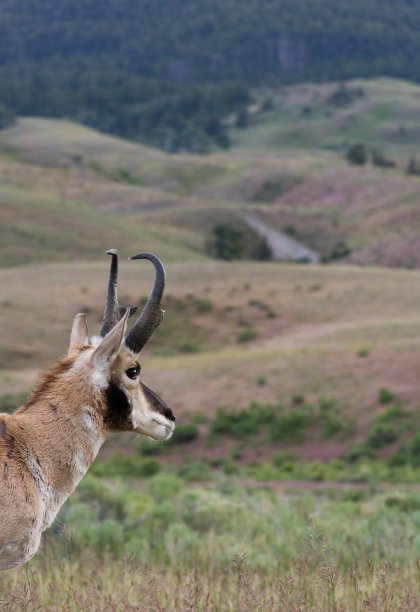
[49,443]
[114,364]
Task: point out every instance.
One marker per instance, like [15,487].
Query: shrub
[286,457]
[187,346]
[385,395]
[243,423]
[134,466]
[290,426]
[196,471]
[203,304]
[247,334]
[407,453]
[413,166]
[358,452]
[378,159]
[363,352]
[357,154]
[184,434]
[340,249]
[327,403]
[330,424]
[164,486]
[297,399]
[381,435]
[407,503]
[392,413]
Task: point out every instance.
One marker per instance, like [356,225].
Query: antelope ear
[79,334]
[111,344]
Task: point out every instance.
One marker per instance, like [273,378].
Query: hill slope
[287,169]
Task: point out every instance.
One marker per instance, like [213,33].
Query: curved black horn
[152,313]
[113,311]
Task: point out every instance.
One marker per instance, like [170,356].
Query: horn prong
[113,312]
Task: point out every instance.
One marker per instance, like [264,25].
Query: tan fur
[47,445]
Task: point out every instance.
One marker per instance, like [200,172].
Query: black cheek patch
[118,409]
[157,404]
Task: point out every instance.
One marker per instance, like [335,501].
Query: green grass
[223,548]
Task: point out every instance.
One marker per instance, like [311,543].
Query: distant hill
[246,40]
[288,169]
[163,71]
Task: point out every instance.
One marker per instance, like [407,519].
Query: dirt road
[283,248]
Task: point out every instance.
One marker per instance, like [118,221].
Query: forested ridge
[150,69]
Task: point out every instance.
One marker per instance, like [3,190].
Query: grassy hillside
[266,333]
[288,168]
[244,331]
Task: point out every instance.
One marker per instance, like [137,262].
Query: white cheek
[140,415]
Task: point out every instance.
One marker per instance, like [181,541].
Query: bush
[378,159]
[357,154]
[358,452]
[407,453]
[339,250]
[385,395]
[330,424]
[413,166]
[243,423]
[247,334]
[203,304]
[392,413]
[184,434]
[290,426]
[381,435]
[196,471]
[286,457]
[164,486]
[134,466]
[187,346]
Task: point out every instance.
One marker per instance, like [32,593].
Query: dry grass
[311,584]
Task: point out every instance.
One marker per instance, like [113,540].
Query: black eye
[133,372]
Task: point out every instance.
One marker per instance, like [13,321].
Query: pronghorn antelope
[49,443]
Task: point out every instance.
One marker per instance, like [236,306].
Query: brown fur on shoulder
[47,380]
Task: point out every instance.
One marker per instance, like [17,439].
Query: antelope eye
[133,372]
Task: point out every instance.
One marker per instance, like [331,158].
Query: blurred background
[268,153]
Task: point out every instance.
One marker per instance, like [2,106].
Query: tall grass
[168,545]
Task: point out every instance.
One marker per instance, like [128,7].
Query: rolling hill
[236,334]
[287,169]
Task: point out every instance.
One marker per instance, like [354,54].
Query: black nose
[169,414]
[157,403]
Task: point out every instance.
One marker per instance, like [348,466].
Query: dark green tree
[226,242]
[357,154]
